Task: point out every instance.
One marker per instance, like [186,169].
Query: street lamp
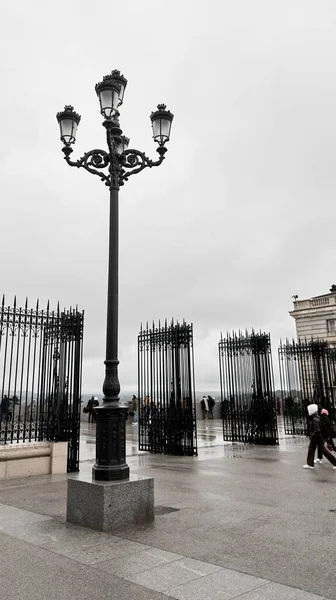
[114,167]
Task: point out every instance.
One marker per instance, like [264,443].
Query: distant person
[147,408]
[316,439]
[327,431]
[134,409]
[205,407]
[278,406]
[211,404]
[4,408]
[92,403]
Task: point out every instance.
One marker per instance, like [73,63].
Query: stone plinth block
[106,505]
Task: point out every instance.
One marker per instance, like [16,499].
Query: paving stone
[169,575]
[276,591]
[221,585]
[138,562]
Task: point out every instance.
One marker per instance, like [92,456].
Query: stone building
[315,318]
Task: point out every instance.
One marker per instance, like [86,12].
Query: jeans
[319,453]
[135,416]
[322,451]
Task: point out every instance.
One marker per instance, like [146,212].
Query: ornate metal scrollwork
[137,161]
[91,161]
[118,164]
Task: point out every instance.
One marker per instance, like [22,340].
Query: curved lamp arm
[118,165]
[138,161]
[91,161]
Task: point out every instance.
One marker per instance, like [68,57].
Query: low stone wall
[33,458]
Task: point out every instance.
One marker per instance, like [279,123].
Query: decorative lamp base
[111,443]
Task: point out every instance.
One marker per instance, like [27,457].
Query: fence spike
[14,301]
[48,304]
[26,304]
[3,301]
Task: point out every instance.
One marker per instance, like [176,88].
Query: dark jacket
[316,428]
[326,427]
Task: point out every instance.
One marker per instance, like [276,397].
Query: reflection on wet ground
[209,440]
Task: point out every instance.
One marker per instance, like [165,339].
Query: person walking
[316,439]
[134,409]
[205,407]
[327,431]
[211,404]
[89,408]
[4,408]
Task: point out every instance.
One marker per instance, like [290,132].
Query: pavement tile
[141,561]
[54,531]
[17,522]
[181,571]
[221,585]
[276,591]
[90,550]
[10,514]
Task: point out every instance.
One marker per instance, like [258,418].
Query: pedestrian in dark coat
[316,439]
[211,404]
[92,403]
[327,432]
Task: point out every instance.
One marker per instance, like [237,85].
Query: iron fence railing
[166,389]
[40,376]
[307,374]
[247,388]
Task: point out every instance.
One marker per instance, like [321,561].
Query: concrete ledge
[106,506]
[33,458]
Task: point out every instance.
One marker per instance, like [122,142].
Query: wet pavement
[235,522]
[209,441]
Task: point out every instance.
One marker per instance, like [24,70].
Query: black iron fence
[167,415]
[307,374]
[40,376]
[247,389]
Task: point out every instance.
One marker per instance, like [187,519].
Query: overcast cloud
[240,216]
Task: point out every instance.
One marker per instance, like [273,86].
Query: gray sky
[240,216]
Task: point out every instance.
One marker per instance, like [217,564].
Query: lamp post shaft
[111,416]
[111,386]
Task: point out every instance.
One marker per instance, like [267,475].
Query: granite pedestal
[109,505]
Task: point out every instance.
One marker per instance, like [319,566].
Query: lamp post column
[111,416]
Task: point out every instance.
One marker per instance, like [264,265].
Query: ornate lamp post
[114,166]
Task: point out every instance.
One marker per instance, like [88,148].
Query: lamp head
[161,124]
[68,121]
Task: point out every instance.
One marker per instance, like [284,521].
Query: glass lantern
[161,124]
[108,93]
[68,121]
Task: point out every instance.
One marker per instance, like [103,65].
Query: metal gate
[166,390]
[307,374]
[247,389]
[40,376]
